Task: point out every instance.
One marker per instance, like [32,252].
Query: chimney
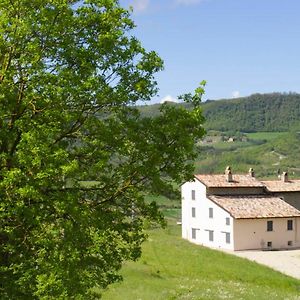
[251,172]
[284,177]
[228,174]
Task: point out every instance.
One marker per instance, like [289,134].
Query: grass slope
[172,268]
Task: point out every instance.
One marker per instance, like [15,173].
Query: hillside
[172,268]
[258,112]
[267,152]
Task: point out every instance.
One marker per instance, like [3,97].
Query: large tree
[76,157]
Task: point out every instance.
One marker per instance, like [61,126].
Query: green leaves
[195,99]
[76,157]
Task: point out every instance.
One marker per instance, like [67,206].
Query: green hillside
[265,129]
[172,268]
[258,112]
[268,153]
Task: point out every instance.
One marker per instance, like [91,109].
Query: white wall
[244,233]
[202,224]
[186,207]
[253,234]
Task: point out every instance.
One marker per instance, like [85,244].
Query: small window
[290,243]
[227,221]
[227,237]
[289,224]
[211,212]
[193,212]
[269,244]
[269,225]
[193,233]
[193,195]
[211,235]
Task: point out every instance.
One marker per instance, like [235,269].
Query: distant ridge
[258,112]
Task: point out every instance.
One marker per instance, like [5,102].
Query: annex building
[239,212]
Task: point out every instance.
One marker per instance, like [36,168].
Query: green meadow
[172,268]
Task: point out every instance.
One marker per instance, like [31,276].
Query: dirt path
[287,262]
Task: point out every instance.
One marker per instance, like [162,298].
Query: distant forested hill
[258,112]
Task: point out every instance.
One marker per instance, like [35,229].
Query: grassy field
[172,268]
[265,135]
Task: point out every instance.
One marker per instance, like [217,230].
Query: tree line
[258,112]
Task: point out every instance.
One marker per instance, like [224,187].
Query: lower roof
[282,186]
[255,207]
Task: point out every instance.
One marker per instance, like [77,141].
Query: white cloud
[168,98]
[188,2]
[140,5]
[235,94]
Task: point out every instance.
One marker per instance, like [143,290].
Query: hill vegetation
[258,112]
[259,131]
[268,153]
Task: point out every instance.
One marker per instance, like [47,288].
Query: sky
[240,47]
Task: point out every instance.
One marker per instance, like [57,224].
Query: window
[289,224]
[193,195]
[211,212]
[210,235]
[269,225]
[227,221]
[269,244]
[290,243]
[193,212]
[227,237]
[193,233]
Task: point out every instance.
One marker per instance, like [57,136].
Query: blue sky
[239,47]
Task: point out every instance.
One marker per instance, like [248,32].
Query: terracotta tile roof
[220,181]
[280,186]
[255,207]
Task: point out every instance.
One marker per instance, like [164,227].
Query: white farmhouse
[237,212]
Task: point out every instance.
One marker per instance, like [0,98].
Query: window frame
[227,221]
[193,212]
[194,233]
[270,226]
[227,238]
[211,235]
[193,194]
[211,212]
[290,225]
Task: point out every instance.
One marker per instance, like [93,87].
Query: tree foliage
[76,157]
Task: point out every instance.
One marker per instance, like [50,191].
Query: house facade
[237,212]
